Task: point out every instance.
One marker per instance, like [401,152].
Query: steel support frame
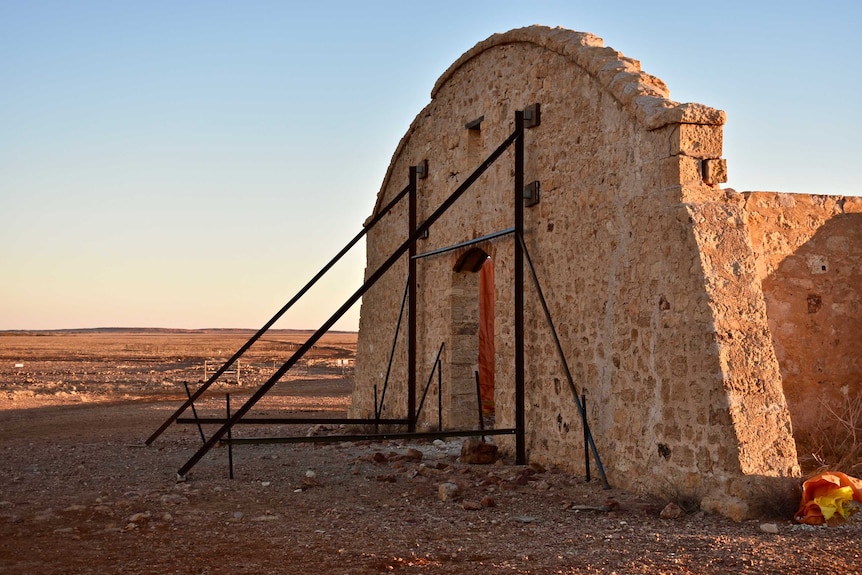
[519,431]
[414,232]
[405,247]
[206,385]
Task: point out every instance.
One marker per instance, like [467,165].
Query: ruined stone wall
[809,251]
[647,267]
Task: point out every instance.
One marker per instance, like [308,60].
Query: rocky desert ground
[81,493]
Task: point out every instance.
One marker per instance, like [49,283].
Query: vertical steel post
[411,313]
[439,395]
[479,403]
[229,437]
[569,379]
[586,435]
[376,413]
[195,412]
[378,407]
[520,424]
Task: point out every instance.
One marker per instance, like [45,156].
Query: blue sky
[192,164]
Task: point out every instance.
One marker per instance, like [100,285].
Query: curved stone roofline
[644,95]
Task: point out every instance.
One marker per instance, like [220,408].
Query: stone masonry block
[697,141]
[464,349]
[852,205]
[715,171]
[680,171]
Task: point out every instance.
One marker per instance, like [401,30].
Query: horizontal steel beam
[457,246]
[368,437]
[293,420]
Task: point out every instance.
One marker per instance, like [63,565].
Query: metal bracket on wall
[531,194]
[532,116]
[421,174]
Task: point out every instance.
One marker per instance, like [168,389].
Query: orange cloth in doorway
[486,337]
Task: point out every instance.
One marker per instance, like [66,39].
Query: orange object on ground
[829,497]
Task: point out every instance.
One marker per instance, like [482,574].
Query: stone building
[680,307]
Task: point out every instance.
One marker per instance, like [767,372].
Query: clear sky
[192,164]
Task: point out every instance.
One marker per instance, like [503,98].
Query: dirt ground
[80,493]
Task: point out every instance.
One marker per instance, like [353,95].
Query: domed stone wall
[646,264]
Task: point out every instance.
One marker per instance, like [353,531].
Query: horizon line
[171,329]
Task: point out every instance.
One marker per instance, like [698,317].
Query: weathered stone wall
[809,251]
[647,266]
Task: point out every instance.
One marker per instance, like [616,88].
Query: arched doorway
[472,361]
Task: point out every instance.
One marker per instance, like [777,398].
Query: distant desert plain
[80,492]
